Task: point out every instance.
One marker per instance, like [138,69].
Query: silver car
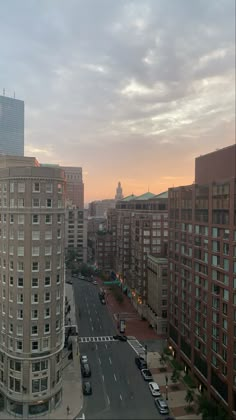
[154,388]
[162,406]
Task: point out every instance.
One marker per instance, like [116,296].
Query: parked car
[69,281]
[154,388]
[141,362]
[162,405]
[85,370]
[120,337]
[95,282]
[147,375]
[87,388]
[83,359]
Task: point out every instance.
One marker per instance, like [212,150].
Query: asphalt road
[119,391]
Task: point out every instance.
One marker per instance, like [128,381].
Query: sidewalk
[140,329]
[176,392]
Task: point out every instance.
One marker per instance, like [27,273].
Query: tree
[175,376]
[211,410]
[189,396]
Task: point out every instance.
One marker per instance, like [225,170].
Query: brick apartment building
[202,275]
[139,227]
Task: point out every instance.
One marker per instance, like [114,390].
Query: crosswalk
[137,347]
[96,339]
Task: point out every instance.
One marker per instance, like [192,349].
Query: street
[119,391]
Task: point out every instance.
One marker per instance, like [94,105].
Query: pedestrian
[68,410]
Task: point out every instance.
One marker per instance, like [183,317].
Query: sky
[131,91]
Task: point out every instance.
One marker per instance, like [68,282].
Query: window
[21,187]
[59,218]
[47,313]
[48,250]
[45,343]
[58,278]
[35,251]
[35,298]
[35,282]
[36,235]
[35,219]
[34,314]
[19,345]
[48,219]
[59,233]
[36,187]
[21,202]
[20,266]
[21,235]
[20,282]
[39,385]
[15,384]
[12,187]
[57,324]
[49,202]
[38,366]
[48,265]
[11,218]
[48,234]
[46,328]
[20,314]
[35,202]
[20,298]
[34,345]
[20,252]
[35,266]
[21,219]
[49,188]
[47,297]
[19,330]
[34,330]
[47,281]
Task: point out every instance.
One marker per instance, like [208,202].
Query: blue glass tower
[11,126]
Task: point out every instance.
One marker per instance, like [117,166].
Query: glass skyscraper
[11,126]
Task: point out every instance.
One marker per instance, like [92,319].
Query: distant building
[74,185]
[119,193]
[157,293]
[99,208]
[11,126]
[76,232]
[139,227]
[202,275]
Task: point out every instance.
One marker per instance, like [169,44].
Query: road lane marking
[92,328]
[115,377]
[99,360]
[103,378]
[110,361]
[108,400]
[90,319]
[96,347]
[106,346]
[120,397]
[100,327]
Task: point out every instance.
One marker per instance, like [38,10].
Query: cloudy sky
[132,91]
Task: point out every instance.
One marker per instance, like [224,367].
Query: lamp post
[166,387]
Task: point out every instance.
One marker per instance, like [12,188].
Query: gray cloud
[101,76]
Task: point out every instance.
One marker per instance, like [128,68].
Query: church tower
[119,194]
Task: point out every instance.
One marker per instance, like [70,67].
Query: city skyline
[131,92]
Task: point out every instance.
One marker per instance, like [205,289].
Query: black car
[120,337]
[87,388]
[141,362]
[85,370]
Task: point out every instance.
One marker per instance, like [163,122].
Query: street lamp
[166,387]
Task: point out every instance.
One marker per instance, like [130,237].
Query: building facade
[74,186]
[32,221]
[202,274]
[139,227]
[157,293]
[76,227]
[100,208]
[11,126]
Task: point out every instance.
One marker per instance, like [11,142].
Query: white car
[154,388]
[83,359]
[95,282]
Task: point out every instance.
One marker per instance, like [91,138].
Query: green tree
[175,376]
[189,396]
[211,410]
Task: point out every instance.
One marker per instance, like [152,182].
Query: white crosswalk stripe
[96,339]
[137,346]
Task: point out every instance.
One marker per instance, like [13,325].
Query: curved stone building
[32,208]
